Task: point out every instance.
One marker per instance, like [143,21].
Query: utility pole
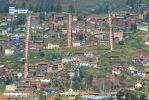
[103,87]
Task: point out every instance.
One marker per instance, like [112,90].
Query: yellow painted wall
[52,46]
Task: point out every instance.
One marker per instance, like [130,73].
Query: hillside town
[74,56]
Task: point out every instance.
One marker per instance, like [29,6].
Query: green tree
[59,7]
[89,80]
[121,43]
[134,4]
[71,8]
[8,80]
[4,5]
[55,56]
[147,17]
[142,97]
[23,5]
[52,6]
[131,3]
[81,37]
[131,96]
[133,27]
[81,73]
[42,17]
[128,95]
[21,20]
[41,54]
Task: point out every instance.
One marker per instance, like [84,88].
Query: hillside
[79,4]
[94,6]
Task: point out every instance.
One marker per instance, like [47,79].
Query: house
[117,69]
[9,51]
[115,58]
[146,43]
[90,27]
[94,97]
[4,72]
[118,35]
[58,20]
[4,24]
[88,64]
[141,73]
[52,46]
[145,10]
[44,27]
[38,69]
[18,95]
[7,18]
[131,68]
[136,71]
[144,28]
[69,95]
[13,10]
[111,95]
[11,87]
[145,62]
[21,11]
[34,25]
[147,73]
[138,85]
[88,54]
[4,32]
[50,91]
[66,60]
[119,19]
[73,71]
[141,57]
[128,34]
[76,60]
[56,67]
[76,44]
[75,18]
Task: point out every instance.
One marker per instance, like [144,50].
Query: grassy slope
[12,61]
[125,52]
[2,87]
[62,51]
[132,45]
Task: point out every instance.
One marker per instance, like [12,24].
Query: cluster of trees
[147,18]
[133,27]
[40,5]
[128,95]
[116,5]
[36,5]
[58,5]
[110,5]
[21,20]
[133,3]
[4,4]
[44,6]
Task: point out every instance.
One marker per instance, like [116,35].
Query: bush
[41,54]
